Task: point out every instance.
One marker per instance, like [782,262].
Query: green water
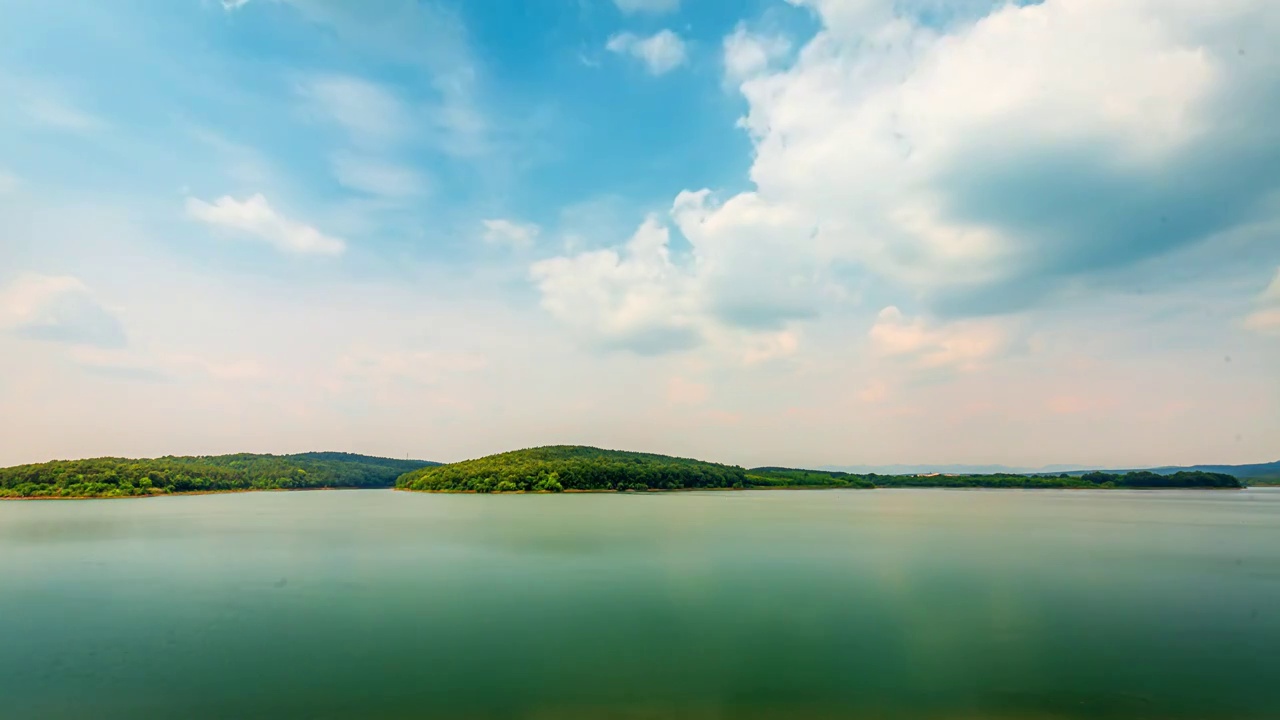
[795,604]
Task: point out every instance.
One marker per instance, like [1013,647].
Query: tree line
[125,477]
[1141,479]
[545,469]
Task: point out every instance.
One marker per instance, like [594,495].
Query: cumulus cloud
[755,262]
[974,157]
[58,308]
[747,54]
[255,218]
[751,268]
[656,7]
[661,52]
[633,298]
[985,163]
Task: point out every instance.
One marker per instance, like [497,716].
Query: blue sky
[808,232]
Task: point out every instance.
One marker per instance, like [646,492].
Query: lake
[935,604]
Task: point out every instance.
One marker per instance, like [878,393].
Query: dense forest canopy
[115,477]
[545,469]
[571,467]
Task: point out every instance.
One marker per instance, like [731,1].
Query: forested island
[559,468]
[576,468]
[551,469]
[125,477]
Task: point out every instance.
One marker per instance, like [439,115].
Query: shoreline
[29,498]
[188,493]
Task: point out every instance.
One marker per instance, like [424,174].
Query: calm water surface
[796,604]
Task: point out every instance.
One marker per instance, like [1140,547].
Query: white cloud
[966,345]
[56,112]
[377,118]
[633,298]
[656,7]
[372,114]
[980,164]
[234,4]
[512,234]
[975,166]
[755,261]
[1264,321]
[373,176]
[8,182]
[1272,293]
[453,117]
[1267,318]
[751,267]
[661,52]
[256,218]
[748,54]
[58,308]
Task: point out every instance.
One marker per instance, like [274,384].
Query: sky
[800,232]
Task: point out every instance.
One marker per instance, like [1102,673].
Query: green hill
[570,467]
[123,477]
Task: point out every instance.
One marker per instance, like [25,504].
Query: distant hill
[1139,479]
[558,468]
[1256,470]
[403,466]
[1245,472]
[124,477]
[907,469]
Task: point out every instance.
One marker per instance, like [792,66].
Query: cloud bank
[978,167]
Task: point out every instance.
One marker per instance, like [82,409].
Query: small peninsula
[550,469]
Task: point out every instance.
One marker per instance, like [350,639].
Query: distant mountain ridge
[1253,470]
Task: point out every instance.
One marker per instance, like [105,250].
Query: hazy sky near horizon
[752,231]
